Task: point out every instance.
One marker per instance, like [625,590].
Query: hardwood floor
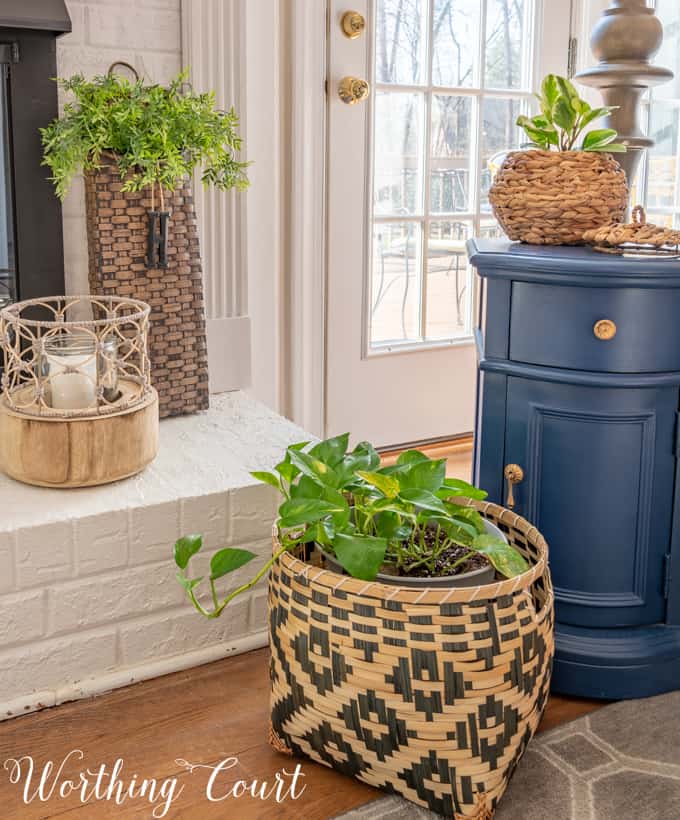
[202,715]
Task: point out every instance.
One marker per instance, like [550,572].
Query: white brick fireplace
[88,597]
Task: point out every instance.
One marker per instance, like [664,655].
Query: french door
[409,169]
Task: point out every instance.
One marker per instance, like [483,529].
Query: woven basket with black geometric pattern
[430,694]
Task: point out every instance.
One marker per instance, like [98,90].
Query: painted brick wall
[144,33]
[88,595]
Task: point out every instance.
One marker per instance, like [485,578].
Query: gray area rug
[619,763]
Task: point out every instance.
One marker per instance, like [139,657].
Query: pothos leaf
[267,478]
[315,469]
[467,514]
[228,560]
[387,485]
[300,511]
[361,555]
[332,450]
[505,558]
[457,488]
[412,457]
[185,547]
[423,499]
[424,475]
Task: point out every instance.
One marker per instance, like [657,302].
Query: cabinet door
[599,468]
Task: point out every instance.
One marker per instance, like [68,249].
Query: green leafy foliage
[158,134]
[361,555]
[403,516]
[186,547]
[505,558]
[387,485]
[227,560]
[564,117]
[299,511]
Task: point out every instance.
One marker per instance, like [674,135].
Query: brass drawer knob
[514,474]
[352,90]
[353,24]
[605,329]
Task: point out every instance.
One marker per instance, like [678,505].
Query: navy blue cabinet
[590,415]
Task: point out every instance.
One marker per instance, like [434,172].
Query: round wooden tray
[78,452]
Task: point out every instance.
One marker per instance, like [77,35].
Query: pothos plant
[368,516]
[158,134]
[563,119]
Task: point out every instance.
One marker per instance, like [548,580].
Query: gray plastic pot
[474,578]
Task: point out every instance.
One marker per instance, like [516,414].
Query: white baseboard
[228,353]
[35,701]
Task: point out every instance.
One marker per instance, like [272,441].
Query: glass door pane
[398,160]
[451,78]
[507,59]
[658,182]
[455,47]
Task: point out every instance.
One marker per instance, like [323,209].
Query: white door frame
[305,356]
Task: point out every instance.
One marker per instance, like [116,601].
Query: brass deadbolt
[352,90]
[605,329]
[353,24]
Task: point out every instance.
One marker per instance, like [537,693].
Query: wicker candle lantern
[77,405]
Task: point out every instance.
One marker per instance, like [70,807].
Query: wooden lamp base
[78,452]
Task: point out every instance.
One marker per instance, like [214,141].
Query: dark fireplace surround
[28,66]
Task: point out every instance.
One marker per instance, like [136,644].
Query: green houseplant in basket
[567,181]
[387,682]
[138,145]
[156,134]
[398,523]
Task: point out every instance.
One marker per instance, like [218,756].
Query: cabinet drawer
[554,325]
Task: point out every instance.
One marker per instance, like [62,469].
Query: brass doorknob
[514,474]
[352,90]
[353,24]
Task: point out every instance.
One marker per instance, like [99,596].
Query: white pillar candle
[71,368]
[72,391]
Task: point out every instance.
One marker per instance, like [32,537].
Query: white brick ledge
[88,598]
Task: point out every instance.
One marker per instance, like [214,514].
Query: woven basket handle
[123,64]
[638,215]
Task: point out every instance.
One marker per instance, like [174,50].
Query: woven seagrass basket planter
[432,694]
[554,197]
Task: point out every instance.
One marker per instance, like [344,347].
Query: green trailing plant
[158,134]
[563,119]
[402,518]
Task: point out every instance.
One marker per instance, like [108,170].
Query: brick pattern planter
[117,232]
